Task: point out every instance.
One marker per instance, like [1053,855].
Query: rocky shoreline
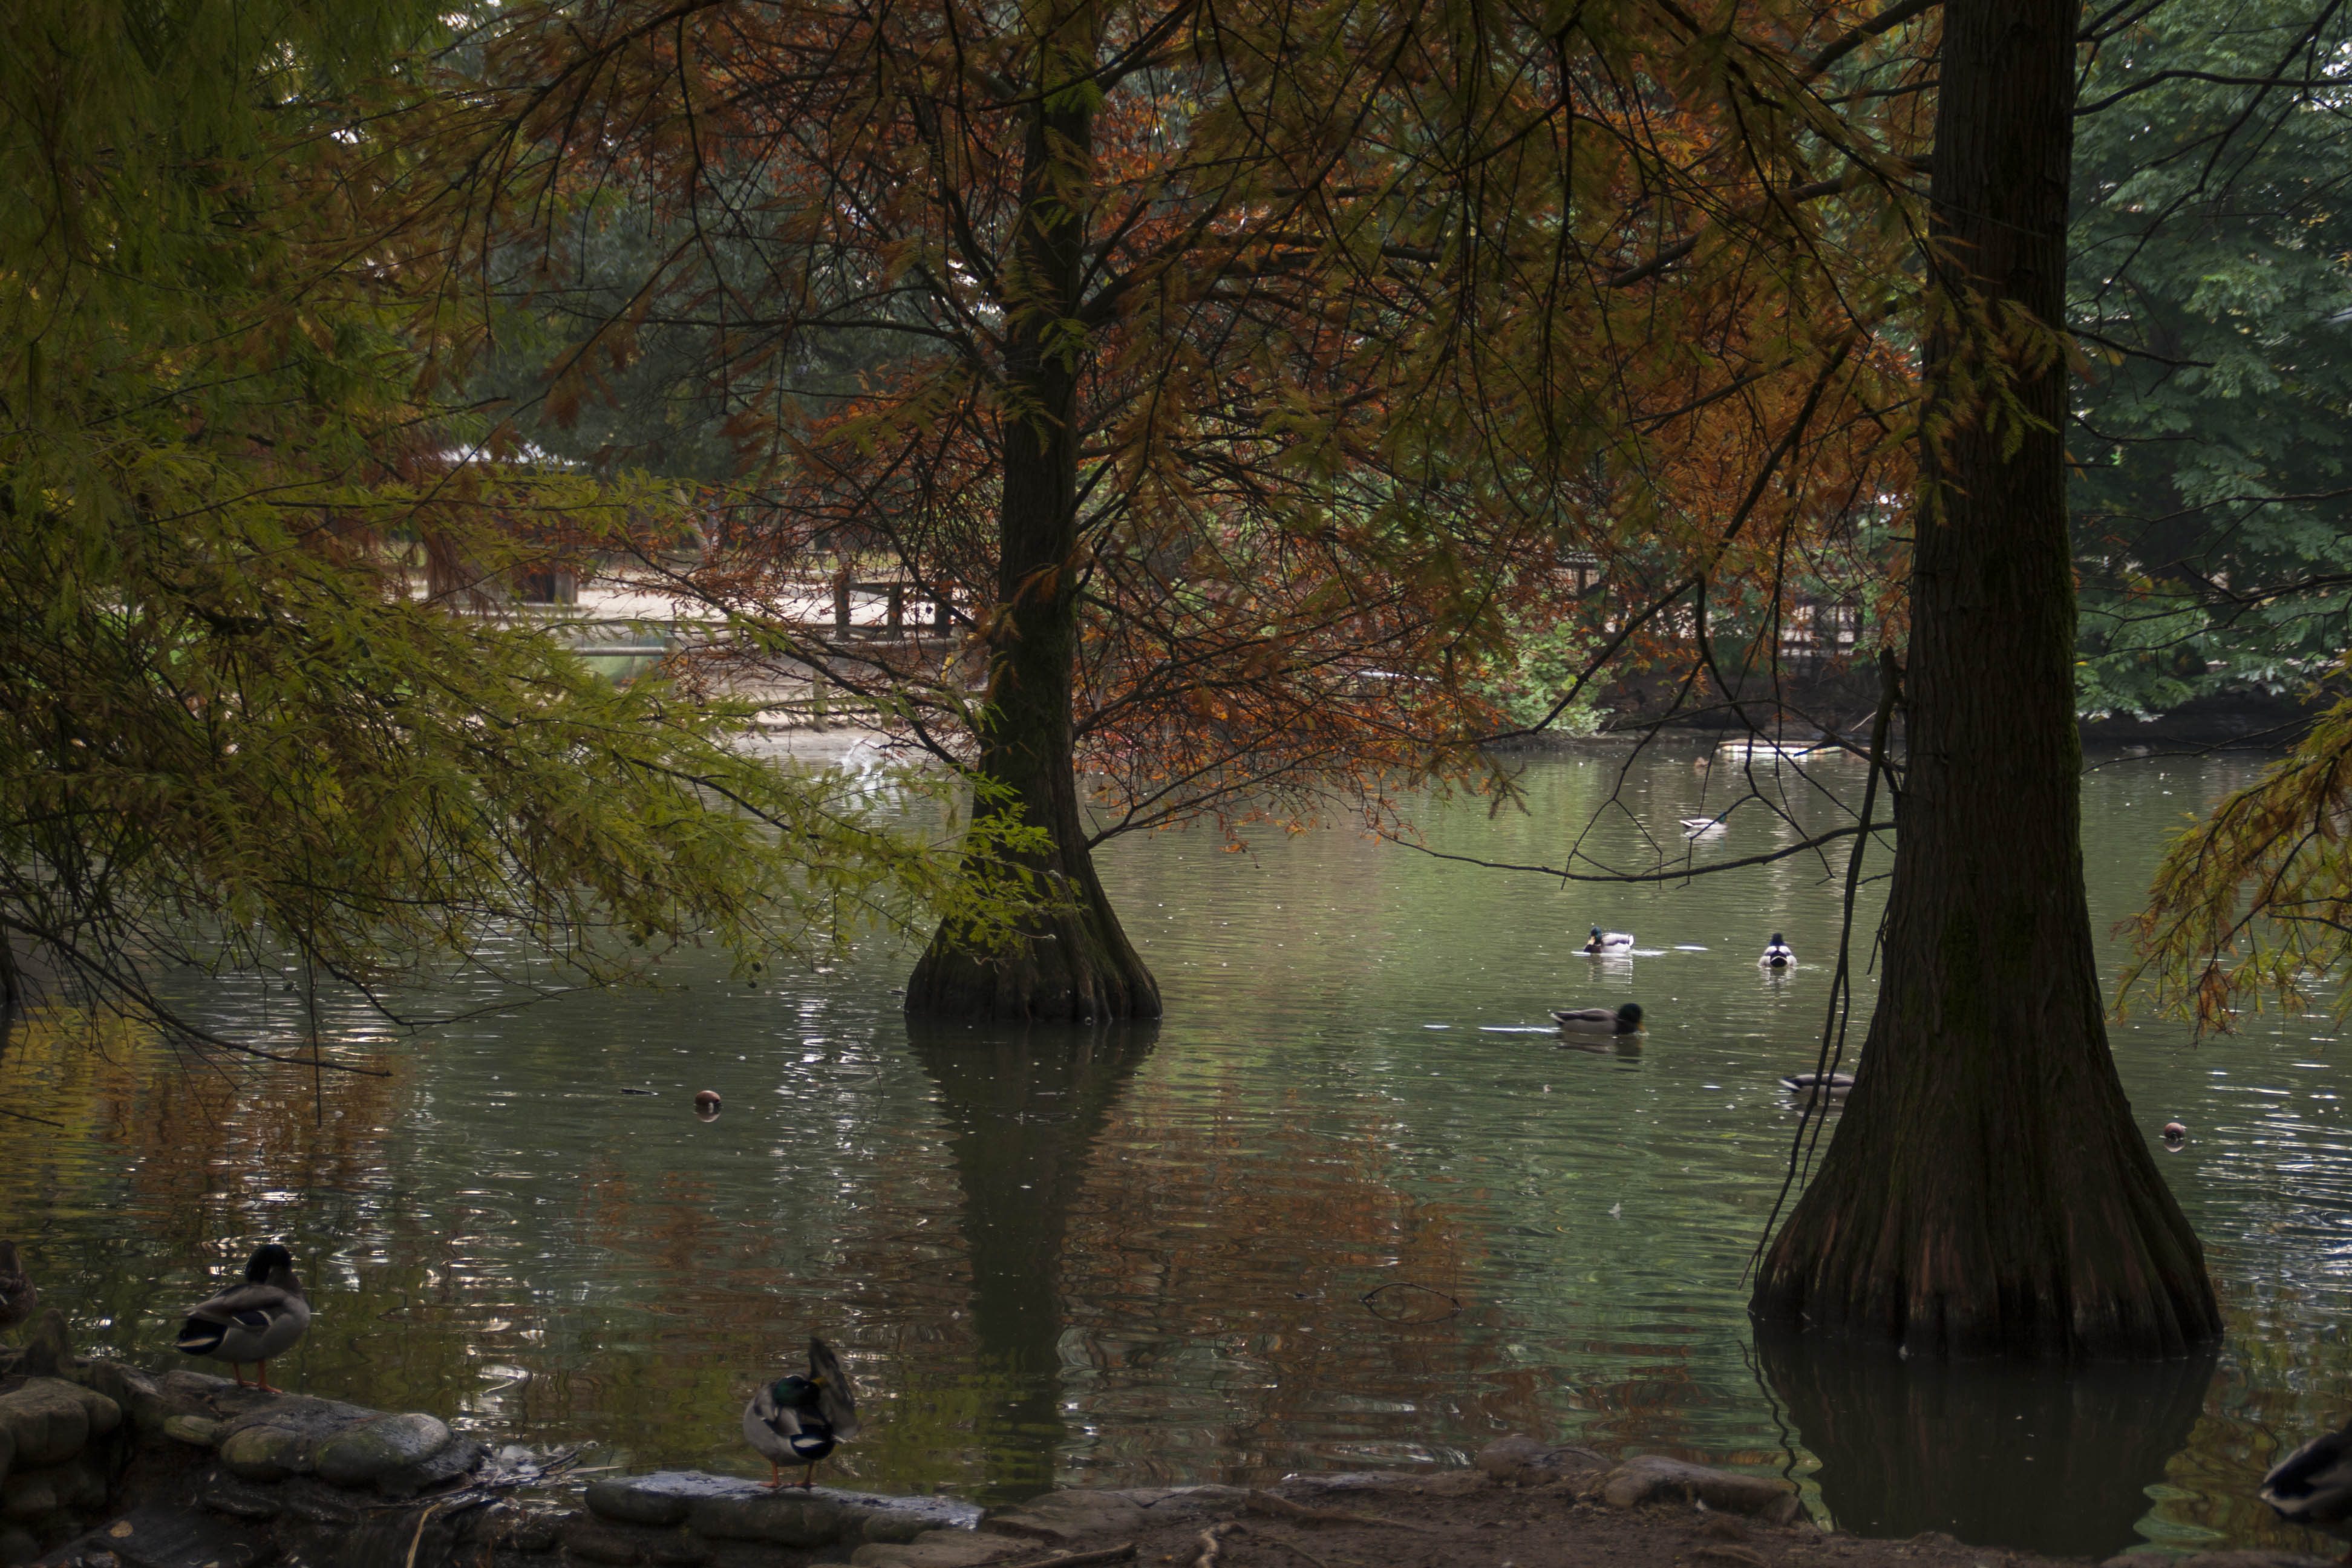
[104,1465]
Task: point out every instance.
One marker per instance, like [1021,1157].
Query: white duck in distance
[1610,942]
[1777,954]
[798,1419]
[2313,1486]
[260,1319]
[1626,1020]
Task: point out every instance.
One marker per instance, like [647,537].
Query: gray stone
[313,1501]
[664,1497]
[1183,1502]
[360,1455]
[159,1537]
[728,1508]
[1653,1477]
[1521,1460]
[224,1493]
[598,1541]
[796,1518]
[458,1459]
[196,1431]
[132,1391]
[49,1419]
[265,1453]
[626,1500]
[28,1495]
[279,1436]
[940,1549]
[1066,1516]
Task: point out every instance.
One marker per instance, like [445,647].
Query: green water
[1349,1206]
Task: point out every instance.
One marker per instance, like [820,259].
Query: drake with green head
[259,1319]
[1626,1020]
[799,1420]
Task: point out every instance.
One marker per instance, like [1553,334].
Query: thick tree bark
[1986,1190]
[1073,961]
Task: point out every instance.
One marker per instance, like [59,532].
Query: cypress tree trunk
[1073,961]
[1986,1190]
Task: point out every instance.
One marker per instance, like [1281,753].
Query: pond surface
[1349,1206]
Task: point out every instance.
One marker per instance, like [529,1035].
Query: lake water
[1349,1206]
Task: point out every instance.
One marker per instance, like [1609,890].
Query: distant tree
[2209,284]
[1258,373]
[231,729]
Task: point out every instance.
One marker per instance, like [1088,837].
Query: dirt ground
[1469,1520]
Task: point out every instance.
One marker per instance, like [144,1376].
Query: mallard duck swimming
[1609,942]
[18,1295]
[259,1319]
[2313,1486]
[1626,1020]
[797,1420]
[1777,955]
[1818,1083]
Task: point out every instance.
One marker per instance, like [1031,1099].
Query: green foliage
[2256,900]
[2212,283]
[230,728]
[1550,654]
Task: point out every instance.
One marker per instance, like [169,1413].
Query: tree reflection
[1998,1453]
[1024,1108]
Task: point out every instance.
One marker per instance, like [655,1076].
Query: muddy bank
[104,1465]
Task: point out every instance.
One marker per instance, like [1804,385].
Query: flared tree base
[1067,970]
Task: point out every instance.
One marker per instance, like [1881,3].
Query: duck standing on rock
[1626,1020]
[1777,955]
[798,1420]
[1610,942]
[261,1317]
[2313,1486]
[18,1295]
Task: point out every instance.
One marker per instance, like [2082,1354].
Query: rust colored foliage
[1383,318]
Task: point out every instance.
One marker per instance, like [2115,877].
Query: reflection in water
[1126,1259]
[1024,1106]
[2028,1454]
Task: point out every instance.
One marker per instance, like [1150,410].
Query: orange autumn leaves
[1395,317]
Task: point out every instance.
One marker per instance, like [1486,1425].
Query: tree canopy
[232,728]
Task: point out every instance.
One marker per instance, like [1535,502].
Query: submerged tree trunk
[1073,961]
[1987,1190]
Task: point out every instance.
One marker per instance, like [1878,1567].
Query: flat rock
[1522,1460]
[460,1458]
[196,1431]
[48,1419]
[1066,1516]
[282,1435]
[1653,1477]
[361,1454]
[1182,1502]
[940,1549]
[161,1537]
[2220,1560]
[728,1508]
